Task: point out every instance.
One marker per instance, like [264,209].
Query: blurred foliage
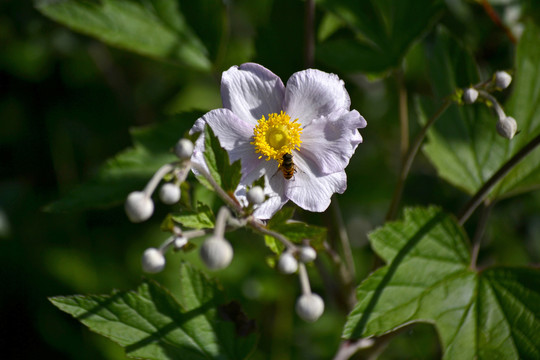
[68,101]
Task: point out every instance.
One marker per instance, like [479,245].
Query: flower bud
[169,193]
[307,254]
[470,95]
[287,264]
[179,242]
[310,307]
[183,149]
[255,195]
[507,127]
[502,79]
[216,253]
[139,207]
[153,261]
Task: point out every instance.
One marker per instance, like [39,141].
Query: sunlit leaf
[154,28]
[151,324]
[487,314]
[202,218]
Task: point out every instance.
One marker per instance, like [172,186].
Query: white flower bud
[310,307]
[255,195]
[502,79]
[169,193]
[216,253]
[470,95]
[183,149]
[507,127]
[153,261]
[179,242]
[307,254]
[139,207]
[287,264]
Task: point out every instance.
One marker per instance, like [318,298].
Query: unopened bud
[307,254]
[287,264]
[179,242]
[502,79]
[255,195]
[139,207]
[153,261]
[183,149]
[507,127]
[169,193]
[470,95]
[310,307]
[216,253]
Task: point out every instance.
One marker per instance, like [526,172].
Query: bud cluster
[215,251]
[506,126]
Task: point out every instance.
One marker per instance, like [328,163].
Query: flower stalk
[484,191]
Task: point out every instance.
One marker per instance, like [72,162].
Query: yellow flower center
[276,136]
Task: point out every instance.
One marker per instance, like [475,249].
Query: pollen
[276,136]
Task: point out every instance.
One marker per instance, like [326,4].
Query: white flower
[262,120]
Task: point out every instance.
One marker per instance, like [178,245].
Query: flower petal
[251,91]
[312,192]
[233,133]
[275,190]
[328,142]
[313,93]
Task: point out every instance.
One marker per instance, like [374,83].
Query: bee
[287,166]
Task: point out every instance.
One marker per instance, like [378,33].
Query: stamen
[276,136]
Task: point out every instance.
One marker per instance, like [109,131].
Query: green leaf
[151,324]
[202,218]
[154,28]
[131,169]
[463,144]
[489,314]
[383,32]
[224,173]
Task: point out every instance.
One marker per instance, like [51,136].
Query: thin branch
[263,229]
[497,20]
[481,194]
[344,238]
[219,190]
[403,114]
[407,162]
[479,233]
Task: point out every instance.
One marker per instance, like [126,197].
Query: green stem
[483,192]
[479,233]
[344,238]
[264,230]
[403,114]
[407,162]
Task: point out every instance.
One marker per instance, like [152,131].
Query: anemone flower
[300,137]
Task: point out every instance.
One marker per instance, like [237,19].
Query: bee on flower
[266,125]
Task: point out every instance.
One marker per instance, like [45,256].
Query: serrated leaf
[131,169]
[151,324]
[383,32]
[202,218]
[464,145]
[226,174]
[478,315]
[154,28]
